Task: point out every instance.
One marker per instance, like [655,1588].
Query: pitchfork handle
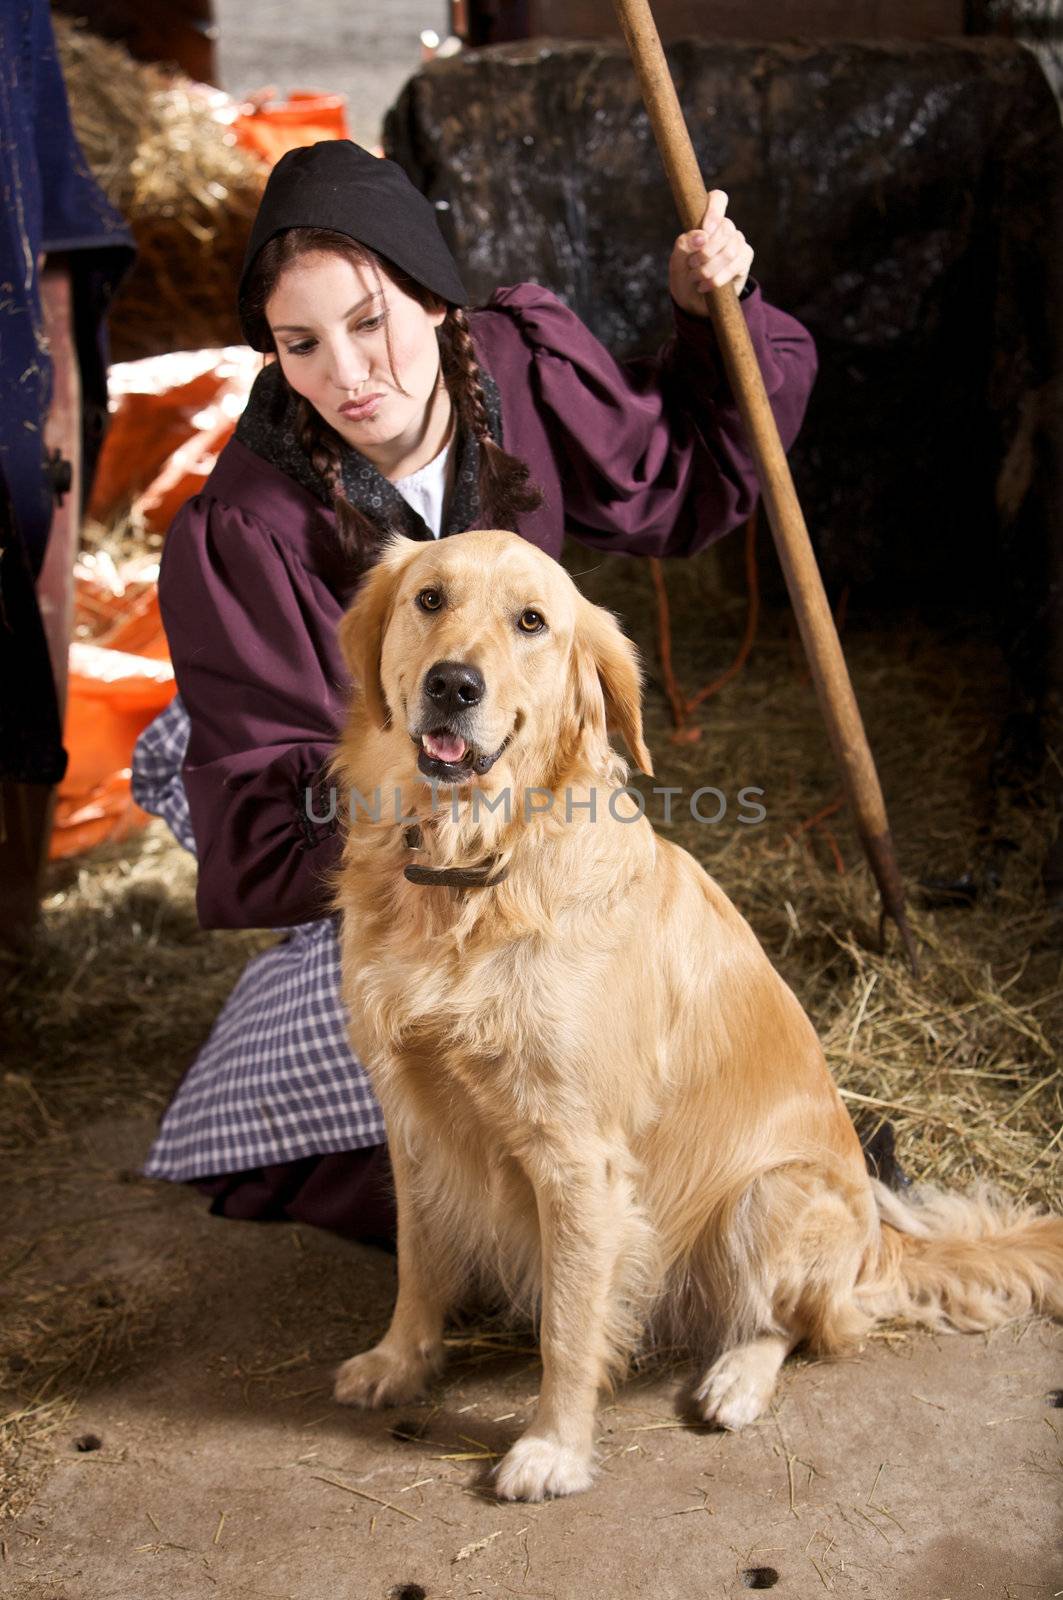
[818,633]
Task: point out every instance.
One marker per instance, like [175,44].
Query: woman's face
[331,322]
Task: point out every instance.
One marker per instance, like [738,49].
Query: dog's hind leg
[739,1385]
[789,1264]
[401,1365]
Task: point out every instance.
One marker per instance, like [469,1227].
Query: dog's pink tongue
[444,746]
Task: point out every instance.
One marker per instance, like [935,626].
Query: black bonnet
[337,185]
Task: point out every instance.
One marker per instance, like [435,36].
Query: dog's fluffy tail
[963,1262]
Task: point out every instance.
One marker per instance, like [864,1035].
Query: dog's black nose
[453,686]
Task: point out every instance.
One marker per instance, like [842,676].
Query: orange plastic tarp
[112,697]
[171,416]
[152,405]
[274,128]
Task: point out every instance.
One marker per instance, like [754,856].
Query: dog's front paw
[382,1377]
[535,1468]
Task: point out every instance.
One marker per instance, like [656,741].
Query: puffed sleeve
[252,637]
[651,455]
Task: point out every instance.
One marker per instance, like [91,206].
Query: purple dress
[645,458]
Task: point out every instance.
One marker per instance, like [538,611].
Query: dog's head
[480,654]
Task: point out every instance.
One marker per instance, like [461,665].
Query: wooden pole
[818,633]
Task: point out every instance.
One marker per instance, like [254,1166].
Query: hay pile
[188,192]
[122,991]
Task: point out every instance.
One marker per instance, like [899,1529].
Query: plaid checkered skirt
[277,1078]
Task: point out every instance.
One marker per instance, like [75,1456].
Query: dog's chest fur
[469,1052]
[483,1030]
[478,1002]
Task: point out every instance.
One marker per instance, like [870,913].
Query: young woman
[388,407]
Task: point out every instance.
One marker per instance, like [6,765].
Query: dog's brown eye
[429,599]
[531,621]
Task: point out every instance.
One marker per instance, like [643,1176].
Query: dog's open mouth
[450,758]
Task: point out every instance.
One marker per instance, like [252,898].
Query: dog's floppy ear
[608,685]
[361,633]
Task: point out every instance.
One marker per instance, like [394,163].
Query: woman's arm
[252,636]
[650,455]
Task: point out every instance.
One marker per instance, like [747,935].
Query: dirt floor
[922,1469]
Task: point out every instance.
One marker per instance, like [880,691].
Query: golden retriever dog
[601,1099]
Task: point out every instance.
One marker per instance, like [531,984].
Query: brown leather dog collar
[481,876]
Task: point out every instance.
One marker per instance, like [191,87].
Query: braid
[360,538]
[318,441]
[505,489]
[466,389]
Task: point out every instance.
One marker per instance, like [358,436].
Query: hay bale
[162,151]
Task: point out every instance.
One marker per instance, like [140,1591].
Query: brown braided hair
[505,487]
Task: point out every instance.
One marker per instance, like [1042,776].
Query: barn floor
[922,1469]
